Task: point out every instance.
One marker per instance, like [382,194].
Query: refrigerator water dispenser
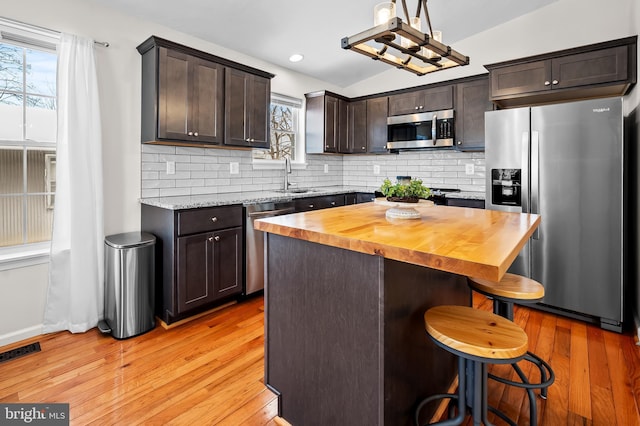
[506,187]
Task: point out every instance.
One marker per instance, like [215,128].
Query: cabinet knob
[253,140]
[546,83]
[327,146]
[459,142]
[364,148]
[421,107]
[214,219]
[190,133]
[333,203]
[195,134]
[555,81]
[217,238]
[210,239]
[310,205]
[247,140]
[417,107]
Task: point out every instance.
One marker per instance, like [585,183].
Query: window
[285,136]
[27,139]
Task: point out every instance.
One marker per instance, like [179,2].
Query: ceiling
[273,30]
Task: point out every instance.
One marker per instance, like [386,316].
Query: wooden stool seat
[511,286]
[477,333]
[478,338]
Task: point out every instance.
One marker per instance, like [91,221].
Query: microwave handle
[433,128]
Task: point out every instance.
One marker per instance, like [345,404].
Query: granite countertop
[471,242]
[467,195]
[253,197]
[246,198]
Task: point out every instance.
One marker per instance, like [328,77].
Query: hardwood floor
[210,371]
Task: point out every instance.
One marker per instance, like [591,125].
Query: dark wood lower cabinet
[465,202]
[199,258]
[209,267]
[345,338]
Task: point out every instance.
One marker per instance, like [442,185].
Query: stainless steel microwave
[423,130]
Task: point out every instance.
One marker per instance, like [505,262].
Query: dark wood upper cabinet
[431,99]
[357,127]
[247,99]
[194,98]
[326,123]
[598,70]
[472,100]
[377,112]
[189,101]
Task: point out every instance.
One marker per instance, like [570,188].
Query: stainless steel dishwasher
[254,242]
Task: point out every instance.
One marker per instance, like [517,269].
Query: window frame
[299,162]
[40,39]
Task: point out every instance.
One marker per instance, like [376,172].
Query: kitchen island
[345,295]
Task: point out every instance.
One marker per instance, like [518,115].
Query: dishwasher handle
[271,213]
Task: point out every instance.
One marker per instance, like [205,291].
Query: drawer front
[208,219]
[316,203]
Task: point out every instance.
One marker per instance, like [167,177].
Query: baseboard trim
[19,335]
[194,317]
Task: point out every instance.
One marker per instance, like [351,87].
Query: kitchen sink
[294,190]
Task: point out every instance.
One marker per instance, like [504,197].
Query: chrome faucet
[287,171]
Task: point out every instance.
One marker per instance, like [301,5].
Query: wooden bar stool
[510,289]
[478,338]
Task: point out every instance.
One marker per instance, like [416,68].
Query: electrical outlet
[234,168]
[376,169]
[171,167]
[326,168]
[469,168]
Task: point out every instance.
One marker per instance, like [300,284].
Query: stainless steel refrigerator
[566,163]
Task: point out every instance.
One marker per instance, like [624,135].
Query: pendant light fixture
[402,44]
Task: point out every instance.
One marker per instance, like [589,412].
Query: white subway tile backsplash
[149,193]
[206,171]
[181,150]
[164,149]
[170,192]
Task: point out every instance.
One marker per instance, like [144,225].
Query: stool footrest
[545,371]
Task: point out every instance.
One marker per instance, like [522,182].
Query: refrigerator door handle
[535,176]
[524,178]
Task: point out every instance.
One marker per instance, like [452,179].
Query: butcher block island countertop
[465,241]
[345,294]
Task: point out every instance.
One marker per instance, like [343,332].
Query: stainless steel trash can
[129,277]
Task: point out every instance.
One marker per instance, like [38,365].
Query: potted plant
[403,192]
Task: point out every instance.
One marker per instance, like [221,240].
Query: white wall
[564,24]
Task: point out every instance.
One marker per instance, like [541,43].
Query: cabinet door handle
[547,83]
[555,81]
[214,219]
[190,133]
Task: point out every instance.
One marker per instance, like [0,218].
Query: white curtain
[75,293]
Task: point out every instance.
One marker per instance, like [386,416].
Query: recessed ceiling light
[296,57]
